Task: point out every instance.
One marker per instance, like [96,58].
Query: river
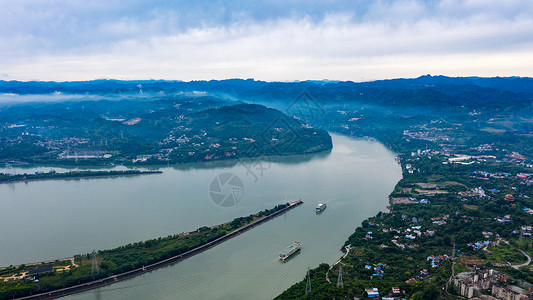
[44,220]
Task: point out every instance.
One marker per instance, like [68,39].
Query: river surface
[44,220]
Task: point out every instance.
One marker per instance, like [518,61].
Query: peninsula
[51,175]
[54,279]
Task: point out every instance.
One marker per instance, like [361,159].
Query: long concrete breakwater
[73,176]
[163,263]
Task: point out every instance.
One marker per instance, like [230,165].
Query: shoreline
[81,176]
[168,164]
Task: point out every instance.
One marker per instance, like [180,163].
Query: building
[372,292]
[472,284]
[510,292]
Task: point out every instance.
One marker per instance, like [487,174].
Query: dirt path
[338,261]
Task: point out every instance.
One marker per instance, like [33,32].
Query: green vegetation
[70,175]
[401,241]
[161,131]
[465,202]
[116,261]
[464,145]
[504,253]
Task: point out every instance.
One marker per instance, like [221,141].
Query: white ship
[290,250]
[320,207]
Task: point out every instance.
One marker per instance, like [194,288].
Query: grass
[460,268]
[505,253]
[434,178]
[470,207]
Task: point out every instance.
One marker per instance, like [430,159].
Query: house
[410,236]
[399,245]
[372,292]
[478,245]
[528,210]
[429,232]
[504,219]
[395,290]
[486,234]
[502,277]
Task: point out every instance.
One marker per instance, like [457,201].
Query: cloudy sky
[268,40]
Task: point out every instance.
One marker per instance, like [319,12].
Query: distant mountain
[519,85]
[165,120]
[105,86]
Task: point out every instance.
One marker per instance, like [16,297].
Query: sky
[286,40]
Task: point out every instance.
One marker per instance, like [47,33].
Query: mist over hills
[153,118]
[439,89]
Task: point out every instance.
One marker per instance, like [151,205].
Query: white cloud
[390,39]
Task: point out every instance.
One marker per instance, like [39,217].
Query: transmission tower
[308,285]
[94,269]
[339,279]
[453,252]
[10,169]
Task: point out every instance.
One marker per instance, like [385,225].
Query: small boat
[320,207]
[287,252]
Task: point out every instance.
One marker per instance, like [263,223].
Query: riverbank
[445,219]
[243,223]
[5,178]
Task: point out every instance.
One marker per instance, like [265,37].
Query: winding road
[524,264]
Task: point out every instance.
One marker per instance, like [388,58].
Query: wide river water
[45,220]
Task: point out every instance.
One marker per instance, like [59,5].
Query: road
[524,264]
